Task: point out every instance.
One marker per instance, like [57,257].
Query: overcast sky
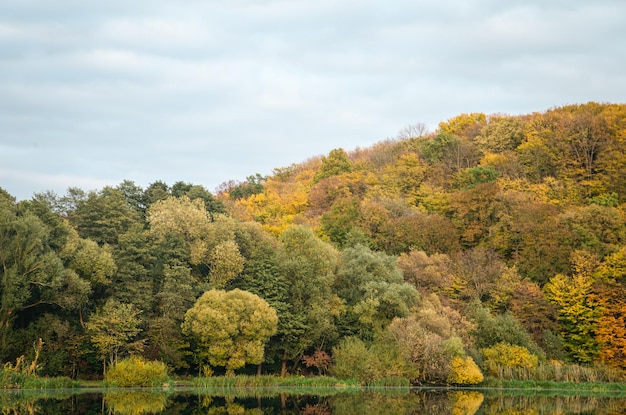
[96,92]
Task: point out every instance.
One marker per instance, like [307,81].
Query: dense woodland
[493,242]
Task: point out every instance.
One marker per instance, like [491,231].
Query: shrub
[463,371]
[351,359]
[505,356]
[136,371]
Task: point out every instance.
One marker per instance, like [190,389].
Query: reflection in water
[133,402]
[285,402]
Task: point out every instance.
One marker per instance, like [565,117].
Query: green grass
[248,381]
[10,379]
[553,385]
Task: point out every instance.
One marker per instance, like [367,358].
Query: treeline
[495,245]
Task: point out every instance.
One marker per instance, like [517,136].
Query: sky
[96,92]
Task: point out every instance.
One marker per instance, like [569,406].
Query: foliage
[230,328]
[578,312]
[504,356]
[352,359]
[136,371]
[112,329]
[491,330]
[428,247]
[336,163]
[135,402]
[463,371]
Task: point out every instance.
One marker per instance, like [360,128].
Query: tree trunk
[259,369]
[283,368]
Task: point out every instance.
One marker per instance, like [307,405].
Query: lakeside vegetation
[491,248]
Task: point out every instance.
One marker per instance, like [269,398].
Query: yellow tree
[282,202]
[578,311]
[611,333]
[468,125]
[230,328]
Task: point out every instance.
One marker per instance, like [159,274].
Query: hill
[418,257]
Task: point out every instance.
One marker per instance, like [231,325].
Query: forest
[493,246]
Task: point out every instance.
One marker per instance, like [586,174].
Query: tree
[336,163]
[491,329]
[610,292]
[578,312]
[226,263]
[467,125]
[501,134]
[308,265]
[480,274]
[103,216]
[373,289]
[185,218]
[230,328]
[32,275]
[177,294]
[113,329]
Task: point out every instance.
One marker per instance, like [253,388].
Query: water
[381,401]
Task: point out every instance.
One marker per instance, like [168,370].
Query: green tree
[176,295]
[492,329]
[230,328]
[336,163]
[373,289]
[262,275]
[308,265]
[32,276]
[103,216]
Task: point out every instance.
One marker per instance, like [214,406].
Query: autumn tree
[480,274]
[335,163]
[230,328]
[113,330]
[501,134]
[578,312]
[610,292]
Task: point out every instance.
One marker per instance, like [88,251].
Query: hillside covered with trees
[495,245]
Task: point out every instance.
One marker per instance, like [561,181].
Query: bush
[463,371]
[136,371]
[352,359]
[505,356]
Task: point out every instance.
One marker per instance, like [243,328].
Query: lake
[323,401]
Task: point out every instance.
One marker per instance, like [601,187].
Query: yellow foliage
[135,402]
[464,371]
[280,203]
[462,123]
[136,371]
[505,355]
[466,403]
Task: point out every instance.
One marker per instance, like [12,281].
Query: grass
[10,379]
[247,381]
[554,385]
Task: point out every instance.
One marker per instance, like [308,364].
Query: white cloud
[211,91]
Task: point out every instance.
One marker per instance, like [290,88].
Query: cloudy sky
[96,92]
